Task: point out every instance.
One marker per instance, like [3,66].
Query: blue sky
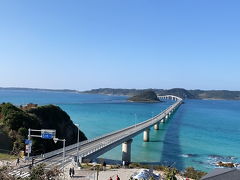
[193,44]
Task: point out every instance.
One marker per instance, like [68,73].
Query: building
[223,174]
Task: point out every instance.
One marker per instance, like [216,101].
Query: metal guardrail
[137,129]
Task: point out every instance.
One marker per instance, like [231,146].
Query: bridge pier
[126,151]
[166,117]
[156,126]
[146,135]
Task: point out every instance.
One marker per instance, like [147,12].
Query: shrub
[40,173]
[170,173]
[190,172]
[4,173]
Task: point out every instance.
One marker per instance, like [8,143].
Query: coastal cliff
[14,124]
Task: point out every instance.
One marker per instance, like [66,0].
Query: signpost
[45,134]
[27,141]
[28,148]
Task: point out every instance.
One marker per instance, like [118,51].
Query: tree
[39,172]
[170,173]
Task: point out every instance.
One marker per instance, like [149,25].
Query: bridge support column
[126,151]
[156,126]
[146,135]
[166,117]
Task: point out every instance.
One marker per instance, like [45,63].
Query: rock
[226,164]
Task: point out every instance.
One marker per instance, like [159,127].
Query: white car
[145,174]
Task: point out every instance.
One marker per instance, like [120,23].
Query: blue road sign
[47,136]
[27,141]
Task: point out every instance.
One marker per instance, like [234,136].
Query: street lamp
[77,143]
[63,140]
[135,119]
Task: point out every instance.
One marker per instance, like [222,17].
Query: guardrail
[137,128]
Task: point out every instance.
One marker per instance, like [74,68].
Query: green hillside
[14,124]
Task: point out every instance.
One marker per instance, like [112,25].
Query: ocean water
[200,133]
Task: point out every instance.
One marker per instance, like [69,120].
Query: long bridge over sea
[93,148]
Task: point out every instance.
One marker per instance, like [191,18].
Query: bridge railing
[138,127]
[156,118]
[135,130]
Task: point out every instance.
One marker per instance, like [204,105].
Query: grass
[7,157]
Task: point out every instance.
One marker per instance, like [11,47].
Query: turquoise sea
[200,133]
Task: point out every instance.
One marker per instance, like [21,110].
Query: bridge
[91,149]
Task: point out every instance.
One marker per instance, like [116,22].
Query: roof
[223,174]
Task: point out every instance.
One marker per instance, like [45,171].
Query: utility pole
[77,144]
[29,146]
[64,142]
[135,120]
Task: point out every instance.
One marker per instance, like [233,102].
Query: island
[180,92]
[146,96]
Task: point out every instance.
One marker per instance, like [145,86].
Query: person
[123,163]
[117,178]
[32,162]
[110,178]
[18,161]
[73,172]
[70,172]
[104,165]
[25,158]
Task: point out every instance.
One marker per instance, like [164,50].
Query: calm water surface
[200,133]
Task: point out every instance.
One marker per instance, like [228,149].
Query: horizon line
[66,89]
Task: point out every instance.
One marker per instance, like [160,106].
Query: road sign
[47,136]
[28,148]
[48,133]
[27,141]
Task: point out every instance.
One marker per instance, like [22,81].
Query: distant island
[180,92]
[183,93]
[146,96]
[38,89]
